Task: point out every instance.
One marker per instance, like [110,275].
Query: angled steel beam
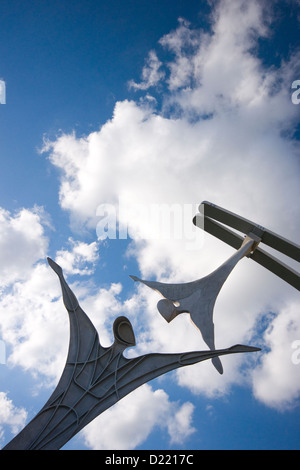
[211,213]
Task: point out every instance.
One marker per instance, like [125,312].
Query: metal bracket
[256,241]
[216,220]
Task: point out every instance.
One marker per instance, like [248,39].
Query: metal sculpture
[198,297]
[95,378]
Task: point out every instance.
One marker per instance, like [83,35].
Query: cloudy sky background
[108,110]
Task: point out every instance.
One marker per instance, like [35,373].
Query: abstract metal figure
[198,297]
[95,378]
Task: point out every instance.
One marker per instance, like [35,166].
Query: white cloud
[179,426]
[182,42]
[22,243]
[276,380]
[151,74]
[34,325]
[10,415]
[75,261]
[128,423]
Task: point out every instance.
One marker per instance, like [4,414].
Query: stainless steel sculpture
[95,378]
[198,297]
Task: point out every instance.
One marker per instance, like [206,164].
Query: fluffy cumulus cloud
[23,242]
[275,380]
[32,317]
[129,422]
[77,258]
[224,135]
[10,415]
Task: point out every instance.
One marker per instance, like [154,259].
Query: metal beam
[209,211]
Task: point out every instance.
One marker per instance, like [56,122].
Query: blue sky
[114,104]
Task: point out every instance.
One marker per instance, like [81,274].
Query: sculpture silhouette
[198,297]
[95,378]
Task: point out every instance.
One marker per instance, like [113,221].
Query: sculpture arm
[194,357]
[69,298]
[83,334]
[137,371]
